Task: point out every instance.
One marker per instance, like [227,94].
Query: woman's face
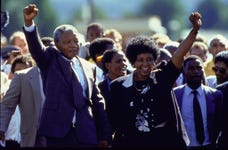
[118,66]
[144,64]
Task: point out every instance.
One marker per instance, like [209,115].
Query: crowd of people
[67,91]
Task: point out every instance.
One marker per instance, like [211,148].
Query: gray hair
[62,29]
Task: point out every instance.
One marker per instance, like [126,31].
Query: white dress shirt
[188,114]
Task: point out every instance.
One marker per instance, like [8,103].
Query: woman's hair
[98,46]
[107,58]
[22,59]
[222,57]
[141,44]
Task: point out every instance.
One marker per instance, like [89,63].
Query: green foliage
[46,19]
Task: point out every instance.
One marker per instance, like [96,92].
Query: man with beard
[202,127]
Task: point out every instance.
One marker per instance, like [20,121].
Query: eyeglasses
[221,70]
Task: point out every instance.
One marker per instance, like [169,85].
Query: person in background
[116,36]
[223,139]
[171,46]
[217,43]
[210,103]
[4,41]
[161,39]
[20,62]
[8,53]
[94,30]
[199,49]
[164,56]
[10,115]
[142,111]
[74,113]
[220,68]
[114,65]
[4,84]
[48,41]
[96,50]
[18,39]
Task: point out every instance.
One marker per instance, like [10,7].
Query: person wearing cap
[8,53]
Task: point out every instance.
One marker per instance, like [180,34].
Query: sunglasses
[221,70]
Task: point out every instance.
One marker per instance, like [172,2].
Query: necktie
[77,89]
[198,118]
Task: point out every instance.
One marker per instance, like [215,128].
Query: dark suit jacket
[91,119]
[214,104]
[104,87]
[223,140]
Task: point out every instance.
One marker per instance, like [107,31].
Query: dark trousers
[206,147]
[70,140]
[12,144]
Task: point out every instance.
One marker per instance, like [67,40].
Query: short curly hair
[141,44]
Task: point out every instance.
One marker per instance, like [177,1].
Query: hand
[103,144]
[195,19]
[2,136]
[30,12]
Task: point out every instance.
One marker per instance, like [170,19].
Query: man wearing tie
[73,114]
[200,105]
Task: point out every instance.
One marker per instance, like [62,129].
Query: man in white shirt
[210,104]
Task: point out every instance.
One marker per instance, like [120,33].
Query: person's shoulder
[120,80]
[86,62]
[178,88]
[210,89]
[222,85]
[24,71]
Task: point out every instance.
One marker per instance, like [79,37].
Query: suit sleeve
[36,48]
[99,111]
[9,102]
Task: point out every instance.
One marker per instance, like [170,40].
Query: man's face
[68,44]
[94,33]
[199,52]
[217,46]
[221,72]
[193,72]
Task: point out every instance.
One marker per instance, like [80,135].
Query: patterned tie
[198,119]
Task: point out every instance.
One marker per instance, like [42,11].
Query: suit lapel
[65,68]
[87,74]
[209,99]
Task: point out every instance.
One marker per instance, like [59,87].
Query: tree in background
[46,20]
[214,14]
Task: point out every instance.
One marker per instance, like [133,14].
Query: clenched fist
[195,19]
[30,12]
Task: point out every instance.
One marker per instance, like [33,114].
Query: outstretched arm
[186,44]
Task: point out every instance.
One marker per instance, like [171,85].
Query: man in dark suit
[73,114]
[223,139]
[210,103]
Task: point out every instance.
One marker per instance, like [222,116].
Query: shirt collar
[74,60]
[129,80]
[188,90]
